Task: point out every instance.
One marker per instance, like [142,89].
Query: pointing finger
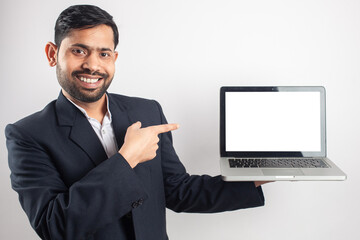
[163,128]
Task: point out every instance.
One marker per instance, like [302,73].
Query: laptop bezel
[245,154]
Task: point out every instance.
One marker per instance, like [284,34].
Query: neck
[95,110]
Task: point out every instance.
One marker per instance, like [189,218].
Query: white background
[180,53]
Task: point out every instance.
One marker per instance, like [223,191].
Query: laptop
[274,134]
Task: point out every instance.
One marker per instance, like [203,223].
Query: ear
[51,53]
[116,55]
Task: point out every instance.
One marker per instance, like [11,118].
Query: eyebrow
[88,47]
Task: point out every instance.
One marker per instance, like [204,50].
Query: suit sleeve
[56,211]
[202,194]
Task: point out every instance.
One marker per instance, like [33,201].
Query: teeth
[89,80]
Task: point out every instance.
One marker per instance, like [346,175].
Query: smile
[89,80]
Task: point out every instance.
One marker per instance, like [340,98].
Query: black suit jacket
[70,189]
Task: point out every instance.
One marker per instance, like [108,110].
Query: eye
[105,54]
[78,51]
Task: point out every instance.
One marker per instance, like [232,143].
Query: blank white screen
[273,121]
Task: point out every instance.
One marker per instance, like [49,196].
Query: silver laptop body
[274,134]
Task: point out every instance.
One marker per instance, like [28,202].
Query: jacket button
[135,204]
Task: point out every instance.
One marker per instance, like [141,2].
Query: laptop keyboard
[277,163]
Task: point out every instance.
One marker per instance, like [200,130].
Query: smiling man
[85,68]
[95,165]
[91,66]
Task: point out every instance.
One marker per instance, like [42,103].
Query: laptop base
[333,173]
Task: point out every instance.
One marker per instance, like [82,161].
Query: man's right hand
[140,144]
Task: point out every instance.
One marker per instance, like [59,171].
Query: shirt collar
[107,115]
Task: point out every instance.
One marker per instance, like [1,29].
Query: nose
[91,63]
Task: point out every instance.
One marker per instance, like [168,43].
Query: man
[94,165]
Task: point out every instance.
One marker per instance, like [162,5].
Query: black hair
[83,17]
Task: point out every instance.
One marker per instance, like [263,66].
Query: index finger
[163,128]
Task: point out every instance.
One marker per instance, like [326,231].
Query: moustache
[96,73]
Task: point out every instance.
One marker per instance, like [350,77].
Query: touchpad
[282,172]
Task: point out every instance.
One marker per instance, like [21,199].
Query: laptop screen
[273,121]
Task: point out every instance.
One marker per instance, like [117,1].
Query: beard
[80,93]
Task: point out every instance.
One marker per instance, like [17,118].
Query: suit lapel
[120,119]
[82,133]
[85,137]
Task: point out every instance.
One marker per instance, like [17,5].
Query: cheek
[110,68]
[69,63]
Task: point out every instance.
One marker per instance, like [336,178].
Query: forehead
[101,36]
